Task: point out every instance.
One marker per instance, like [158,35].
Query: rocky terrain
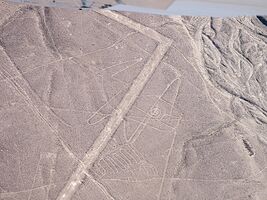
[115,105]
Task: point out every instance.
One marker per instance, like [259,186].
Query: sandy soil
[108,105]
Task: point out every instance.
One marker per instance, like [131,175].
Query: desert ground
[105,105]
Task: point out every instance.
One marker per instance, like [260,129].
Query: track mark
[119,113]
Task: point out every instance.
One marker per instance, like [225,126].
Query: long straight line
[122,109]
[112,125]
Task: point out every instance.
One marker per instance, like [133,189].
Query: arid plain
[104,105]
